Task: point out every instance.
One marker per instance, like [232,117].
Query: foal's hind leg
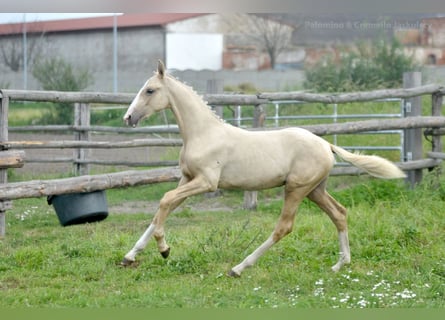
[284,226]
[337,213]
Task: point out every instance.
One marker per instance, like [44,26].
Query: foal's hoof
[233,274]
[128,263]
[165,253]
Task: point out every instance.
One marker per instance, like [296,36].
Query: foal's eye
[149,91]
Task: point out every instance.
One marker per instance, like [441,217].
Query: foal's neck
[193,115]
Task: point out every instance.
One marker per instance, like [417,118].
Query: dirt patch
[203,205]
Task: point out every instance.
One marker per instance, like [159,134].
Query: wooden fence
[12,154]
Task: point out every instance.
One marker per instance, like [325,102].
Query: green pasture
[396,234]
[397,243]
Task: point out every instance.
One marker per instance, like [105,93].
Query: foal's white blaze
[129,118]
[135,111]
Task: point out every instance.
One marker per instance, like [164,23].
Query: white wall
[194,51]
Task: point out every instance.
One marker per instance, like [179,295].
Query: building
[126,58]
[199,47]
[425,40]
[89,44]
[423,35]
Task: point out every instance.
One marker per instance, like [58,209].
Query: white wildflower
[319,292]
[362,303]
[406,294]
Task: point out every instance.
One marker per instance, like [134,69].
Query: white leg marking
[345,252]
[253,257]
[141,243]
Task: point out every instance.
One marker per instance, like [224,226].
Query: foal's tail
[374,165]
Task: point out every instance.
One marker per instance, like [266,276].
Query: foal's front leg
[155,229]
[130,257]
[170,201]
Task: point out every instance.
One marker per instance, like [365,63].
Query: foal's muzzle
[130,121]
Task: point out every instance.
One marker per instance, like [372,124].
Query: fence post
[413,137]
[436,111]
[251,197]
[216,86]
[436,138]
[82,119]
[4,106]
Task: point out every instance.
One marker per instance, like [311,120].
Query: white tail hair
[374,165]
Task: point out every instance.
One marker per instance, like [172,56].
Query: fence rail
[356,96]
[84,182]
[228,99]
[318,129]
[87,183]
[83,128]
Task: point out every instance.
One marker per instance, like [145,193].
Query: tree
[11,47]
[268,35]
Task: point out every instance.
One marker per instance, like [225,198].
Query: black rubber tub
[78,208]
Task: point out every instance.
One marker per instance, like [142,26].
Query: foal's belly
[252,180]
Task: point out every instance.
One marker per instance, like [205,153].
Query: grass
[397,243]
[29,113]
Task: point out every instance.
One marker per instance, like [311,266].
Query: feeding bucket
[78,208]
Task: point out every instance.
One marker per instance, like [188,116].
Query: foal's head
[151,98]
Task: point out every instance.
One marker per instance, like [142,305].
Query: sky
[206,6]
[33,17]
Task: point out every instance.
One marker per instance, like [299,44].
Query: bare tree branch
[267,35]
[11,47]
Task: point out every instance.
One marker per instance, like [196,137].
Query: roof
[123,21]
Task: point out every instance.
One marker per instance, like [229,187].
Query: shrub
[57,74]
[370,66]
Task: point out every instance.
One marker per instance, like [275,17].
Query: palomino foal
[218,155]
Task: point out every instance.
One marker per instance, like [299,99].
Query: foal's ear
[161,69]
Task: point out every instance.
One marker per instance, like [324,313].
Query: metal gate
[275,119]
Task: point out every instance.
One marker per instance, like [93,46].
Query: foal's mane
[199,97]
